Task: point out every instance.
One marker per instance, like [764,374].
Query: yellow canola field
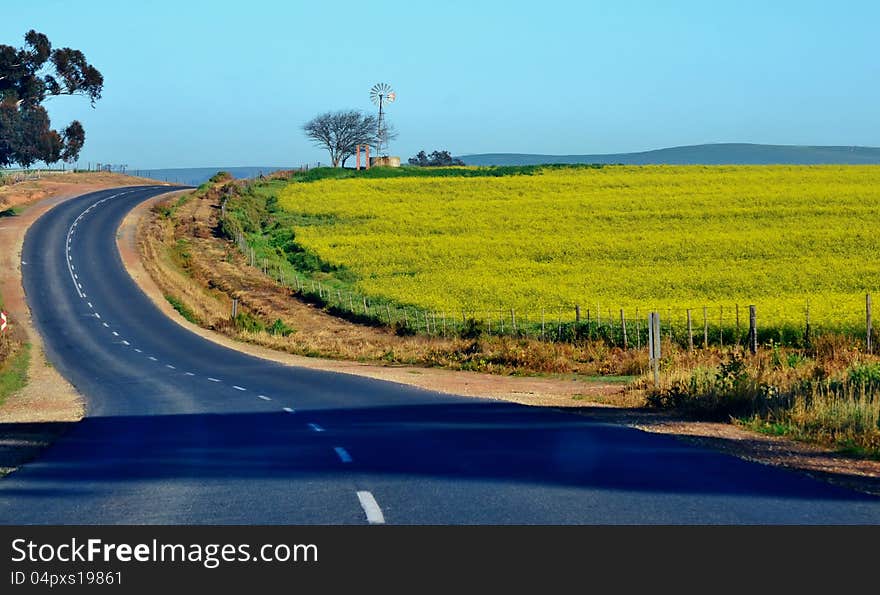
[652,237]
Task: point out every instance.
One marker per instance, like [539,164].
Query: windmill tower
[380,94]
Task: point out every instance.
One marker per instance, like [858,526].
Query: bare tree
[340,133]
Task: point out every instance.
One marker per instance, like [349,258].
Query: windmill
[380,94]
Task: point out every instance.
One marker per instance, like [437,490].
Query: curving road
[181,430]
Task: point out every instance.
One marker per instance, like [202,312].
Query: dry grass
[829,394]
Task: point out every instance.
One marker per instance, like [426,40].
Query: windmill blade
[380,92]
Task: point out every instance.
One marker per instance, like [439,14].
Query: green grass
[182,309]
[13,375]
[331,173]
[787,430]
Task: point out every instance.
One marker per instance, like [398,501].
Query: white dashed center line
[316,428]
[190,374]
[236,387]
[138,350]
[97,315]
[264,397]
[288,410]
[342,454]
[115,334]
[70,232]
[105,325]
[170,367]
[126,343]
[213,379]
[153,358]
[371,508]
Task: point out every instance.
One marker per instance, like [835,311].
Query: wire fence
[705,326]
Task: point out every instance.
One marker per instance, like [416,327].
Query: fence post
[366,309]
[388,313]
[753,331]
[869,323]
[513,320]
[623,328]
[721,327]
[654,345]
[705,327]
[577,312]
[808,329]
[737,325]
[690,332]
[638,330]
[234,308]
[542,323]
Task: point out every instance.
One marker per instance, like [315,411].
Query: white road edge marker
[371,508]
[342,454]
[316,428]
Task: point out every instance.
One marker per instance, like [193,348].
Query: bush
[866,375]
[472,329]
[220,176]
[278,328]
[244,321]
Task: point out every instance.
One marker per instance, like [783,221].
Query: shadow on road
[462,441]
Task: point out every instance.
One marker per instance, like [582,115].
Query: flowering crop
[654,237]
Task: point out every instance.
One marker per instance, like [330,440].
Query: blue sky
[229,83]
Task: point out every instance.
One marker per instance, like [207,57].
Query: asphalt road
[181,430]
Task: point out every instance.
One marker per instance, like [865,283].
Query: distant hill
[714,154]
